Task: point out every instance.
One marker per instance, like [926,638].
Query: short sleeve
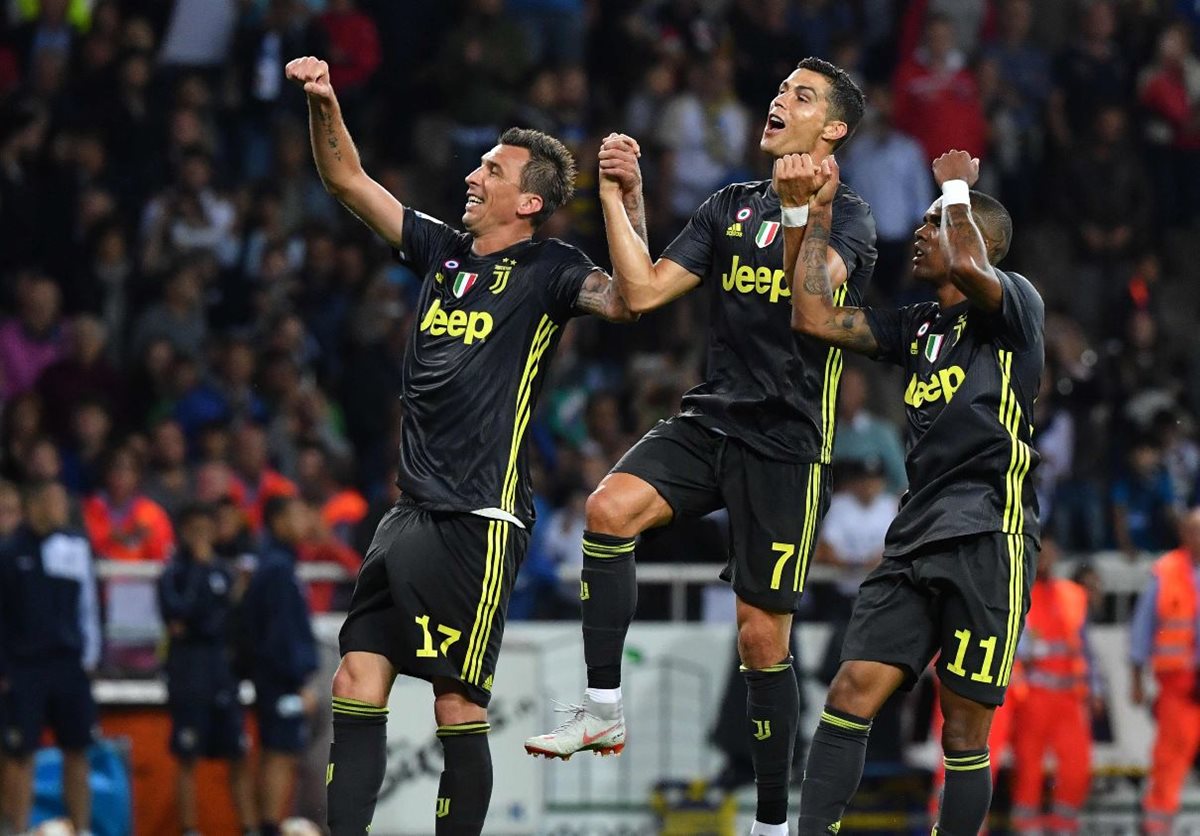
[891,328]
[1022,314]
[852,237]
[692,248]
[562,290]
[424,239]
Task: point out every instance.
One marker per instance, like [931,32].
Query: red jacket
[353,46]
[941,110]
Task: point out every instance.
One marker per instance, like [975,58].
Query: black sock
[466,786]
[834,768]
[773,709]
[357,759]
[608,591]
[968,793]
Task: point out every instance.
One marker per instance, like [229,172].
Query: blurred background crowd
[185,314]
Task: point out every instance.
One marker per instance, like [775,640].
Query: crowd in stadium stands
[186,315]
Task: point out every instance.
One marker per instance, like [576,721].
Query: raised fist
[312,74]
[796,178]
[619,163]
[956,165]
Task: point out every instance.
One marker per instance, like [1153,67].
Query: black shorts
[963,600]
[432,595]
[207,720]
[51,692]
[282,724]
[775,507]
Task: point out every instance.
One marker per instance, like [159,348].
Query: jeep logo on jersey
[467,326]
[942,384]
[764,281]
[767,231]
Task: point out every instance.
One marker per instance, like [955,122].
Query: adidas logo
[487,683]
[734,230]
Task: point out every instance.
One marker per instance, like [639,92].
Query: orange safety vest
[1054,626]
[1175,633]
[144,533]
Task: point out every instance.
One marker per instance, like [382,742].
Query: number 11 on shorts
[989,651]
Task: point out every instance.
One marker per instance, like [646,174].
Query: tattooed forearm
[812,254]
[599,297]
[635,208]
[330,134]
[855,334]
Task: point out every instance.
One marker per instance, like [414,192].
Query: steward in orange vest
[1164,632]
[1054,709]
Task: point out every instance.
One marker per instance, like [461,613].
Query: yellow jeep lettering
[742,278]
[468,326]
[944,383]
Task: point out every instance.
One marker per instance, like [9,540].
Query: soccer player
[433,591]
[754,438]
[959,557]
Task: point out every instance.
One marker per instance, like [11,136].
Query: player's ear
[834,131]
[529,204]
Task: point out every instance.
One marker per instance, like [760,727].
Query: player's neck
[501,238]
[948,295]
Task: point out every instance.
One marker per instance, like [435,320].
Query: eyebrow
[783,87]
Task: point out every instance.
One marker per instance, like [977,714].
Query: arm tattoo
[599,297]
[330,134]
[855,333]
[637,217]
[812,251]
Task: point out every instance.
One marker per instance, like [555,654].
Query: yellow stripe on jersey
[493,570]
[1013,524]
[812,509]
[541,341]
[829,389]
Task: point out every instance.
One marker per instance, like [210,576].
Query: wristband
[956,191]
[794,215]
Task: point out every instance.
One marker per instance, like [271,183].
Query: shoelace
[575,710]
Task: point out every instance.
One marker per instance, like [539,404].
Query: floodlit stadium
[599,417]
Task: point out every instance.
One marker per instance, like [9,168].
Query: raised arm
[336,157]
[813,310]
[643,284]
[961,240]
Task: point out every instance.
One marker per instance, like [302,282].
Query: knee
[453,708]
[611,511]
[966,730]
[858,690]
[358,679]
[762,641]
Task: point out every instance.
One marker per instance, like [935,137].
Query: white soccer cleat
[593,727]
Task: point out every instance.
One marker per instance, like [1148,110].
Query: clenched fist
[796,178]
[312,74]
[619,163]
[956,165]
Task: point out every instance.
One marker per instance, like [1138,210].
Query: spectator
[1023,73]
[34,339]
[937,95]
[122,522]
[23,418]
[1090,75]
[862,436]
[1144,506]
[83,454]
[178,318]
[970,20]
[764,47]
[282,654]
[259,482]
[1054,438]
[854,528]
[189,217]
[354,53]
[1169,91]
[49,644]
[10,513]
[553,29]
[196,596]
[169,482]
[704,131]
[888,168]
[1181,456]
[84,373]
